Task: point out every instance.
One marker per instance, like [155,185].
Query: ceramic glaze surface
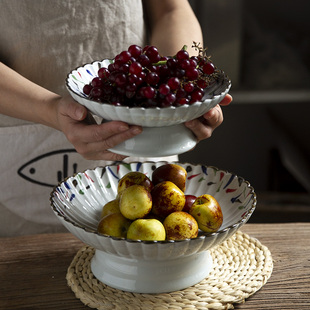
[151,276]
[158,142]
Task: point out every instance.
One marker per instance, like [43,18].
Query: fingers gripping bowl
[144,266]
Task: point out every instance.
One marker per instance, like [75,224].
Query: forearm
[20,98]
[173,24]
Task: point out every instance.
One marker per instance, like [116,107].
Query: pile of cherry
[141,77]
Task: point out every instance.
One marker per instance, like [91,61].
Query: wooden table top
[33,270]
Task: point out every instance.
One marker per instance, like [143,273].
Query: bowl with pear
[152,224]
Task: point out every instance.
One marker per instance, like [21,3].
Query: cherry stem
[159,63]
[163,62]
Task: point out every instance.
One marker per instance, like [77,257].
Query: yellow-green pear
[110,207]
[180,225]
[208,213]
[115,225]
[147,230]
[135,202]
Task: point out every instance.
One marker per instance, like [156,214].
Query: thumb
[226,100]
[76,111]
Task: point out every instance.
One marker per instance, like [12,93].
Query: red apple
[134,178]
[189,200]
[170,172]
[167,198]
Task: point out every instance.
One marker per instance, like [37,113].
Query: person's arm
[20,98]
[172,25]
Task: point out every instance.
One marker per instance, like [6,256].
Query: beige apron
[34,158]
[43,40]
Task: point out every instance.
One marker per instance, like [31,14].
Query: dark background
[264,47]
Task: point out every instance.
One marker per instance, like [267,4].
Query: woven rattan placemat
[241,266]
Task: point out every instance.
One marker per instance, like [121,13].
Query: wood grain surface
[33,270]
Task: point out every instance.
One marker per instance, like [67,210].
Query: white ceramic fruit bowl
[144,266]
[163,125]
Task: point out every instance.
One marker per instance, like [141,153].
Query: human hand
[90,139]
[204,126]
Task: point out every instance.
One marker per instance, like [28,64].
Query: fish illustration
[51,168]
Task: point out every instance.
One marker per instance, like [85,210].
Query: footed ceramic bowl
[164,125]
[144,266]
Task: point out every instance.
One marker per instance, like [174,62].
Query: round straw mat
[241,266]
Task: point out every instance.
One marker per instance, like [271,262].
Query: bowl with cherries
[159,93]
